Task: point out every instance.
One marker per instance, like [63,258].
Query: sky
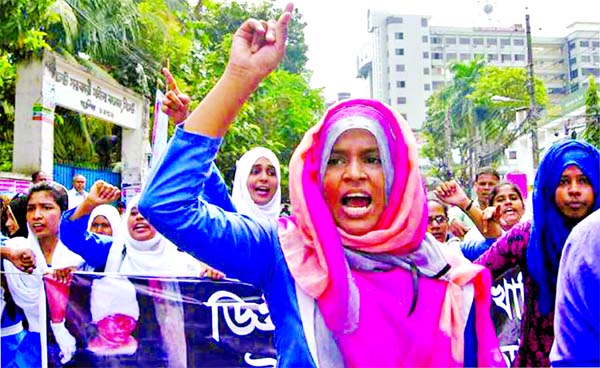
[337,29]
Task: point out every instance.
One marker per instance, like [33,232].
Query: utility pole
[448,155]
[532,113]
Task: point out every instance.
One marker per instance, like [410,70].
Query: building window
[596,58]
[426,71]
[586,58]
[399,35]
[424,22]
[427,87]
[437,84]
[574,74]
[400,84]
[393,20]
[571,45]
[400,67]
[399,51]
[492,57]
[557,91]
[518,42]
[573,61]
[425,54]
[595,44]
[438,70]
[451,56]
[464,41]
[436,40]
[478,41]
[401,100]
[492,41]
[451,40]
[505,42]
[584,44]
[505,57]
[479,56]
[574,87]
[590,71]
[465,56]
[519,57]
[436,55]
[425,39]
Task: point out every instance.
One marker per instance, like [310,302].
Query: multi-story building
[407,58]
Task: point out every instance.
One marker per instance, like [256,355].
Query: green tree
[592,113]
[462,113]
[451,121]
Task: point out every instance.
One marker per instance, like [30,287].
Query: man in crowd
[77,194]
[485,180]
[39,177]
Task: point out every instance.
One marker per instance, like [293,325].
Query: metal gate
[63,174]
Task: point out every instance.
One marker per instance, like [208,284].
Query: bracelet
[469,206]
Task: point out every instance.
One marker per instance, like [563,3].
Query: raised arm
[176,105]
[93,248]
[486,221]
[256,50]
[508,251]
[242,247]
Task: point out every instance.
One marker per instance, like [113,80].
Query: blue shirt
[577,308]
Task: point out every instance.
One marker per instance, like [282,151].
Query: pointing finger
[170,80]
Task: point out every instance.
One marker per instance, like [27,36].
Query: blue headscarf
[550,229]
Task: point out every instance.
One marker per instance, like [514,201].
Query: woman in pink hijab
[351,279]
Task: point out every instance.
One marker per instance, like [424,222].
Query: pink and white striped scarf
[314,250]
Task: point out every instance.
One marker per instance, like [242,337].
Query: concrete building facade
[407,58]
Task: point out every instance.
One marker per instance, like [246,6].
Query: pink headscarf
[402,224]
[313,247]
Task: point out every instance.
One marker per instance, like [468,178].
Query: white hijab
[28,290]
[241,196]
[113,217]
[152,257]
[111,295]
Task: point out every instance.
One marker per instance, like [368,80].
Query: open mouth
[37,227]
[262,190]
[356,204]
[141,226]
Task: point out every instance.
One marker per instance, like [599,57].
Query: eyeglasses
[440,219]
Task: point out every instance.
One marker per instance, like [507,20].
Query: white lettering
[510,295]
[244,320]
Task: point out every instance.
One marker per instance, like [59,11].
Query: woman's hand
[101,192]
[176,104]
[452,193]
[258,46]
[256,50]
[23,259]
[212,273]
[492,222]
[63,275]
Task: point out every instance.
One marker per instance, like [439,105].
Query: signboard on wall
[71,86]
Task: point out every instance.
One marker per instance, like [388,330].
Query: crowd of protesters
[370,269]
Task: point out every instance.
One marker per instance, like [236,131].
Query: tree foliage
[463,118]
[130,40]
[592,113]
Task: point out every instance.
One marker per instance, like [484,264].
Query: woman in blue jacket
[353,269]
